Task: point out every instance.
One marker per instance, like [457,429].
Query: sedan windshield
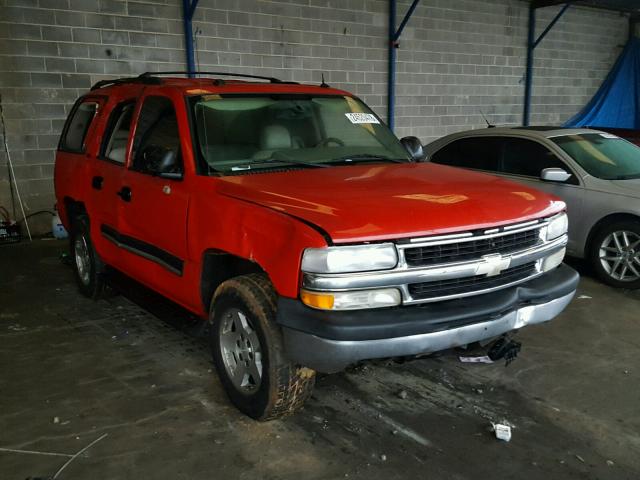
[602,155]
[240,132]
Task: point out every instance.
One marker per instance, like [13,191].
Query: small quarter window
[78,126]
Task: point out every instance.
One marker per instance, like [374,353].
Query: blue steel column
[394,37]
[532,43]
[529,73]
[391,80]
[188,9]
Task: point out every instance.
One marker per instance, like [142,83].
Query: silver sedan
[597,174]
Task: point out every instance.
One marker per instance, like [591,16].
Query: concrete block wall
[456,59]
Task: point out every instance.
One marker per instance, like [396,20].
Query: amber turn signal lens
[322,301]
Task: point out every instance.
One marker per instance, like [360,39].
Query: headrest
[274,137]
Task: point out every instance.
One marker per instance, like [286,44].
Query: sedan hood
[630,188]
[358,203]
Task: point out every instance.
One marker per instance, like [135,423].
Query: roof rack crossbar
[120,81]
[225,74]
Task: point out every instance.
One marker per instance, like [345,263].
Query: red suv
[307,234]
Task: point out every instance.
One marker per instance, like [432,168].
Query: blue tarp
[617,103]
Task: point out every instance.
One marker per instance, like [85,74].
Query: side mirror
[554,175]
[161,161]
[414,146]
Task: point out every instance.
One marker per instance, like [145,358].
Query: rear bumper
[330,341]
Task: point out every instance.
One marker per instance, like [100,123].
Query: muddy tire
[248,351]
[615,254]
[88,268]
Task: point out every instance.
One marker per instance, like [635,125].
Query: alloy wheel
[241,351]
[619,255]
[83,260]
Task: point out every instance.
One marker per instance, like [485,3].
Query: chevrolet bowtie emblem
[493,264]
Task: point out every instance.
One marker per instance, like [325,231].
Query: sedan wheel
[615,254]
[620,255]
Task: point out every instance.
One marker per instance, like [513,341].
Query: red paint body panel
[360,203]
[268,218]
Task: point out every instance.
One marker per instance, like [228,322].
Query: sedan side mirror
[413,145]
[554,175]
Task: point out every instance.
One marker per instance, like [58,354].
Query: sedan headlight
[558,226]
[358,258]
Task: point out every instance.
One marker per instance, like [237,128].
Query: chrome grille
[470,249]
[456,286]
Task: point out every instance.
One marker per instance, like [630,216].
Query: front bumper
[329,341]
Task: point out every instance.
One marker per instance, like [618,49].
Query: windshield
[602,155]
[236,133]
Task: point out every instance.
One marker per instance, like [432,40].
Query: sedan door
[523,160]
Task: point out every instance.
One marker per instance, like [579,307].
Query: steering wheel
[328,140]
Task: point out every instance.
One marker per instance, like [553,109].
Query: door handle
[125,194]
[96,183]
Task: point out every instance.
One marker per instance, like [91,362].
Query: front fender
[272,239]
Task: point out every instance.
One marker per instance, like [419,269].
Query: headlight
[359,258]
[558,226]
[353,300]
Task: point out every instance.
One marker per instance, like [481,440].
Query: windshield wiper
[365,157]
[289,161]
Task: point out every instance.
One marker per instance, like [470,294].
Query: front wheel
[615,254]
[248,351]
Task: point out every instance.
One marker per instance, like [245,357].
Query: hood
[630,188]
[358,203]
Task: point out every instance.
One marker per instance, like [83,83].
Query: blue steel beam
[188,9]
[532,43]
[551,24]
[394,37]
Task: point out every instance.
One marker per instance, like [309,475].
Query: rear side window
[528,158]
[114,143]
[481,153]
[77,127]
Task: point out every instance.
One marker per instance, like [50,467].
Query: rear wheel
[615,254]
[88,267]
[248,351]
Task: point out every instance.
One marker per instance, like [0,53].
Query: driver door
[153,222]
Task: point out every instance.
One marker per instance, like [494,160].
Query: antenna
[323,84]
[489,125]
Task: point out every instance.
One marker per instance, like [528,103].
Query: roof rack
[152,78]
[119,81]
[224,74]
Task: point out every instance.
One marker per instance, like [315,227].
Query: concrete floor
[137,368]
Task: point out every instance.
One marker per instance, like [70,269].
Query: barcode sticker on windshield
[608,135]
[357,118]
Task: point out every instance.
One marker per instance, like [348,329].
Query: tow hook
[506,348]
